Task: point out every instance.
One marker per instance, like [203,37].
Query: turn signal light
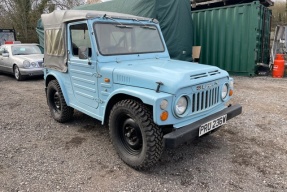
[107,80]
[164,115]
[230,92]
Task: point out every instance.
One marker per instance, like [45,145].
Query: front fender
[147,96]
[53,75]
[13,62]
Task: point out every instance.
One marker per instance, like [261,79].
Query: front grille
[40,63]
[205,99]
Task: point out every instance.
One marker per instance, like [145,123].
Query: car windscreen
[118,39]
[26,49]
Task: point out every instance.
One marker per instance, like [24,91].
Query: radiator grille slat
[207,98]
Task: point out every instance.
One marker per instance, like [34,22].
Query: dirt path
[39,154]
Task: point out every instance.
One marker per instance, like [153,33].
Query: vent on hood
[201,75]
[197,76]
[214,72]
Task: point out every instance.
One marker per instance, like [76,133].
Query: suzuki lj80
[116,68]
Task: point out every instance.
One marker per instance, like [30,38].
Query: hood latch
[159,83]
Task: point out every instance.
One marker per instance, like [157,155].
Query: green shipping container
[235,38]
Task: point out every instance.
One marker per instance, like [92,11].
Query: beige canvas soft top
[55,54]
[58,17]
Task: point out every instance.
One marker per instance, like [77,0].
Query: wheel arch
[13,66]
[146,96]
[51,77]
[119,97]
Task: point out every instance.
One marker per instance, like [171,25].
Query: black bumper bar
[191,131]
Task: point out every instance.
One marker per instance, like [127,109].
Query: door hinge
[99,101]
[98,75]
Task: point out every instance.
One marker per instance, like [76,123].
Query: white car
[22,60]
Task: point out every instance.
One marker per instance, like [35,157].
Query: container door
[82,72]
[267,31]
[263,38]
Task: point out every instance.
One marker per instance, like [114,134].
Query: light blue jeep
[116,68]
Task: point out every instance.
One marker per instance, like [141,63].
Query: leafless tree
[279,13]
[66,4]
[23,15]
[93,1]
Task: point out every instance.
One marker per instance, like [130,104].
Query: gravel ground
[39,154]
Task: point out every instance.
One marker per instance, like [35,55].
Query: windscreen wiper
[148,27]
[120,25]
[123,26]
[144,25]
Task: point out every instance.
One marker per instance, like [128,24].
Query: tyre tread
[66,111]
[153,133]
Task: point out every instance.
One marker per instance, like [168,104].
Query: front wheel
[136,138]
[17,73]
[60,111]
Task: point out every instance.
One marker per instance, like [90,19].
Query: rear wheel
[59,109]
[17,73]
[136,138]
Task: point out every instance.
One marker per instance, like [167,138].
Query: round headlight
[224,91]
[26,64]
[181,105]
[163,104]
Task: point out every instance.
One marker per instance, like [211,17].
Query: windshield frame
[128,24]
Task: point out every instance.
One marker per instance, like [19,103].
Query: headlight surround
[181,106]
[26,64]
[33,64]
[224,91]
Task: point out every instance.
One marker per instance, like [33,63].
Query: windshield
[26,49]
[116,39]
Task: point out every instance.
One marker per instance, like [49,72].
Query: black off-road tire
[17,73]
[59,109]
[136,138]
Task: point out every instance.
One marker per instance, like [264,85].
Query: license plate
[209,126]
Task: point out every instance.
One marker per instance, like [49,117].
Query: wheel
[17,73]
[57,104]
[136,138]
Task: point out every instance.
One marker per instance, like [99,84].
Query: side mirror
[5,54]
[83,52]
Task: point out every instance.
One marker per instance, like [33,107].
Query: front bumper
[189,132]
[32,71]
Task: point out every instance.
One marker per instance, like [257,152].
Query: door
[4,61]
[83,72]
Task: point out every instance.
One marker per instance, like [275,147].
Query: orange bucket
[278,67]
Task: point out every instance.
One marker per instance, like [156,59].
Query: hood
[173,74]
[31,58]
